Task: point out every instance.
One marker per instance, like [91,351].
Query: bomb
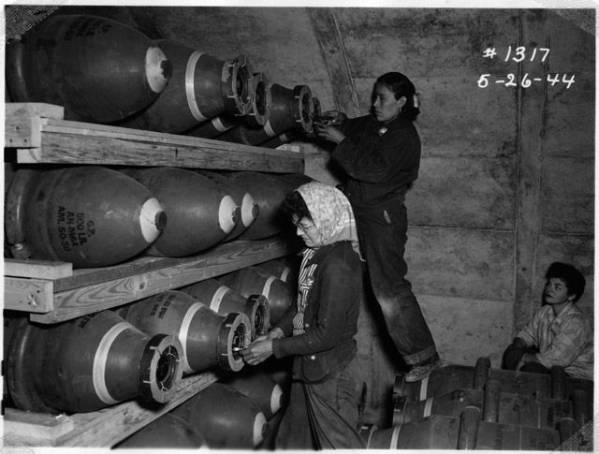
[259,112]
[224,417]
[282,139]
[449,378]
[74,214]
[249,210]
[285,268]
[168,431]
[464,432]
[289,109]
[98,69]
[505,408]
[268,192]
[201,87]
[249,281]
[209,340]
[223,300]
[89,363]
[200,214]
[259,387]
[214,127]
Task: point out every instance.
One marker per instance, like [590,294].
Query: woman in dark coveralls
[319,331]
[380,154]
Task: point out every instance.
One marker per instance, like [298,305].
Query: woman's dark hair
[571,276]
[294,205]
[400,85]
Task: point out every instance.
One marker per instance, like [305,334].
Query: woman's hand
[261,348]
[258,351]
[330,133]
[325,126]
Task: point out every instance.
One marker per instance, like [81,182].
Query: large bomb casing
[225,417]
[168,431]
[209,340]
[199,214]
[446,379]
[224,300]
[259,112]
[89,216]
[259,387]
[444,432]
[285,268]
[282,139]
[201,87]
[504,408]
[307,130]
[213,128]
[98,69]
[89,363]
[289,109]
[248,208]
[249,281]
[268,191]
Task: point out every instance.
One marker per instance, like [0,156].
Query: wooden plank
[41,429]
[69,142]
[29,295]
[332,49]
[22,127]
[529,217]
[140,135]
[42,269]
[107,427]
[91,276]
[78,301]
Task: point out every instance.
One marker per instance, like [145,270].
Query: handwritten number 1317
[520,53]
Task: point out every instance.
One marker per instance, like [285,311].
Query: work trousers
[382,231]
[322,415]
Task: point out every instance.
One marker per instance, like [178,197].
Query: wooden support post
[531,113]
[332,48]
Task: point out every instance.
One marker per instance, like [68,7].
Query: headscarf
[334,220]
[331,213]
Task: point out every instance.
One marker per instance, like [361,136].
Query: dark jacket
[378,166]
[330,318]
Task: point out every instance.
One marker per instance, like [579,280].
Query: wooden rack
[40,135]
[52,292]
[91,290]
[101,428]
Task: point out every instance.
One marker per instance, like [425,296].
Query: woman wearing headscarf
[380,155]
[319,331]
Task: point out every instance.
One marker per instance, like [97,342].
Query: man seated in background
[559,334]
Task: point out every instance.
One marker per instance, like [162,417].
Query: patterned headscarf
[334,220]
[331,212]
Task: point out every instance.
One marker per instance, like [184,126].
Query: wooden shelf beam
[92,290]
[55,141]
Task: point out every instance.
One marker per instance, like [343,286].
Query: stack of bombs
[241,410]
[142,350]
[103,71]
[93,216]
[461,407]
